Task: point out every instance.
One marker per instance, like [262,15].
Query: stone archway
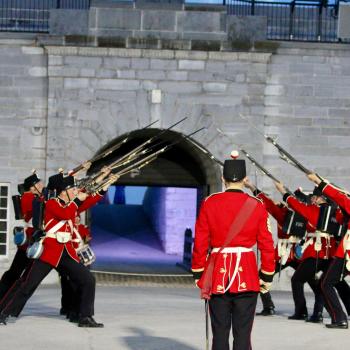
[175,184]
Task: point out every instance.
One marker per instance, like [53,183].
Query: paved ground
[151,318]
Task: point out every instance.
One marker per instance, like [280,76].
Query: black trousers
[13,290]
[266,297]
[331,280]
[306,273]
[236,311]
[77,272]
[19,264]
[70,298]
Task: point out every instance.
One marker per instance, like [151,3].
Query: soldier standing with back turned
[236,280]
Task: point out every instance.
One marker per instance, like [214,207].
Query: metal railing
[299,20]
[33,15]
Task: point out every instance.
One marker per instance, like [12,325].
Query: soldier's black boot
[338,325]
[318,318]
[298,317]
[268,305]
[266,311]
[63,312]
[73,317]
[89,322]
[3,319]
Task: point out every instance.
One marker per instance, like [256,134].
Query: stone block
[33,50]
[177,75]
[116,63]
[63,71]
[37,71]
[68,22]
[196,21]
[93,51]
[20,60]
[191,55]
[111,95]
[223,56]
[155,34]
[158,54]
[6,81]
[83,61]
[215,66]
[116,84]
[126,74]
[158,20]
[214,87]
[163,64]
[308,130]
[191,65]
[338,112]
[150,74]
[128,19]
[149,85]
[55,60]
[140,63]
[180,87]
[111,37]
[76,83]
[200,76]
[274,90]
[87,72]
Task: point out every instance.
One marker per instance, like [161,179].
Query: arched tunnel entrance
[139,226]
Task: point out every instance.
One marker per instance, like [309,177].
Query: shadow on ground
[143,340]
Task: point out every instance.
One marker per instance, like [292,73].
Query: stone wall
[23,109]
[171,211]
[154,207]
[61,104]
[96,94]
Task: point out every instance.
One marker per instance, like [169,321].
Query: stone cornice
[260,57]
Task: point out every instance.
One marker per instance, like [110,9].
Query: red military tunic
[344,202]
[56,211]
[279,213]
[311,213]
[215,218]
[84,234]
[27,210]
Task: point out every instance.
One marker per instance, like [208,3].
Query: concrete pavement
[154,318]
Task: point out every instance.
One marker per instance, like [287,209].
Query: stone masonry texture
[61,104]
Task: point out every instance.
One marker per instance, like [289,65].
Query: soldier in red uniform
[339,266]
[33,188]
[59,253]
[70,299]
[284,250]
[317,249]
[236,280]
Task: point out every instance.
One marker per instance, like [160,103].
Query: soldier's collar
[234,190]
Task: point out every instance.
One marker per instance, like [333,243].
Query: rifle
[139,163]
[128,157]
[108,151]
[206,152]
[256,163]
[287,157]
